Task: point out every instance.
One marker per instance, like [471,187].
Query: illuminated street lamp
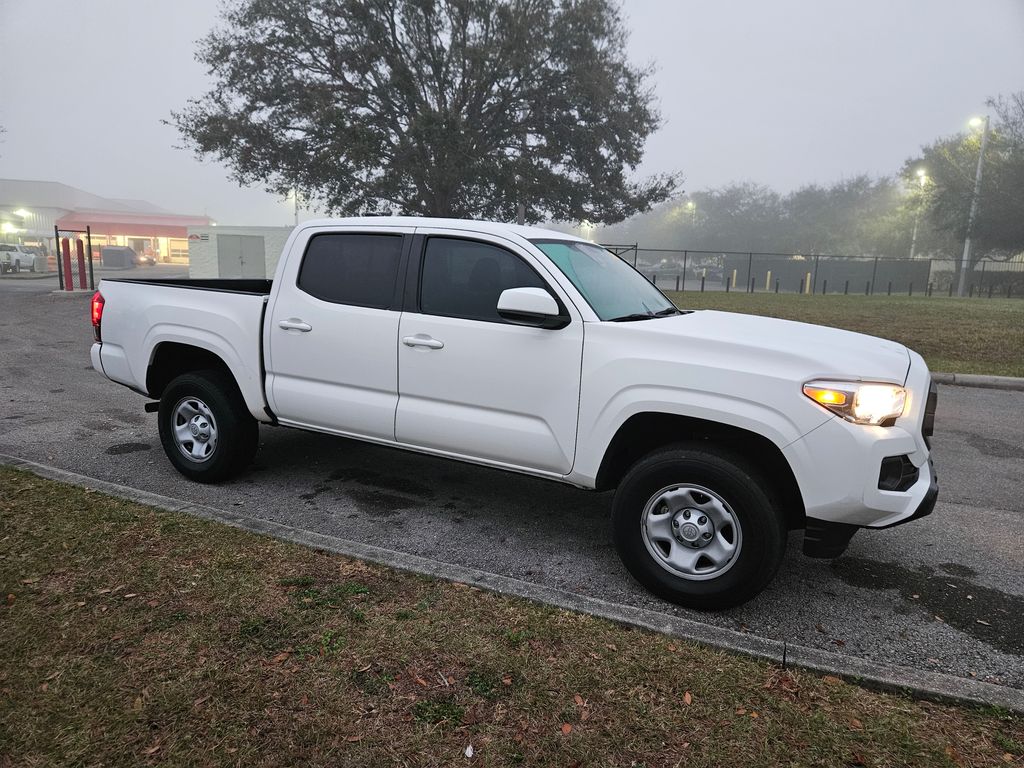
[692,208]
[22,212]
[922,178]
[965,261]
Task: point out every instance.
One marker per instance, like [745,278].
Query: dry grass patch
[135,636]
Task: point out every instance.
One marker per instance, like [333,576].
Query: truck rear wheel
[696,526]
[205,429]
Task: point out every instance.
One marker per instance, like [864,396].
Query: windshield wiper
[646,315]
[634,316]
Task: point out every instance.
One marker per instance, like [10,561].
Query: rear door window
[356,269]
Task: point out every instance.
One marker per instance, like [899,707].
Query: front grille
[928,425]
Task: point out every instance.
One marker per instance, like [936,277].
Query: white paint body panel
[538,401]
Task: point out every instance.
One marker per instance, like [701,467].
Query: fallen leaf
[856,724]
[420,680]
[10,599]
[687,698]
[585,714]
[152,750]
[673,648]
[741,710]
[153,603]
[44,687]
[566,729]
[506,680]
[754,715]
[1007,757]
[31,580]
[137,704]
[282,656]
[839,642]
[579,700]
[354,738]
[832,680]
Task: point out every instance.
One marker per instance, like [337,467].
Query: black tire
[237,432]
[762,527]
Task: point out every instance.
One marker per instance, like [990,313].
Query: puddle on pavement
[117,450]
[986,614]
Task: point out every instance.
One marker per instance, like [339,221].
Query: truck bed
[223,285]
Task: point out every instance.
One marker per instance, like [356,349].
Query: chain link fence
[752,272]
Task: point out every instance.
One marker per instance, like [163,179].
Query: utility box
[235,252]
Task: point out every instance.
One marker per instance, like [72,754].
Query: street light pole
[922,176]
[965,260]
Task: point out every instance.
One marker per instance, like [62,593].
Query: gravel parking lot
[942,594]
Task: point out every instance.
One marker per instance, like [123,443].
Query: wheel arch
[643,433]
[170,359]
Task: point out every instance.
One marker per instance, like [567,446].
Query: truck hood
[787,349]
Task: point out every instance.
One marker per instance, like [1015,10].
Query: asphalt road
[944,594]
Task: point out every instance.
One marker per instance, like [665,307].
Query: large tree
[437,107]
[951,163]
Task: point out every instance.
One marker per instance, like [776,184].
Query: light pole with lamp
[922,178]
[965,260]
[692,208]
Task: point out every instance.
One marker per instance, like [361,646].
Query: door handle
[294,324]
[421,340]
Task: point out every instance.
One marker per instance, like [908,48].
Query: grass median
[953,335]
[133,636]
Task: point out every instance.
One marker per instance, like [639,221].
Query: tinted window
[352,269]
[462,278]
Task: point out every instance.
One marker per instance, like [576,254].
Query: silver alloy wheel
[195,429]
[691,532]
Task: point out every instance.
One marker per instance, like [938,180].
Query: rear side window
[464,278]
[352,269]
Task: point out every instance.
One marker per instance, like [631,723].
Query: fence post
[814,286]
[80,256]
[728,279]
[982,283]
[989,290]
[874,272]
[929,293]
[824,287]
[910,291]
[702,283]
[867,287]
[88,244]
[654,278]
[889,292]
[751,285]
[951,288]
[971,294]
[846,288]
[677,282]
[776,285]
[56,247]
[750,264]
[684,271]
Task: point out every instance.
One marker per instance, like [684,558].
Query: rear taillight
[97,313]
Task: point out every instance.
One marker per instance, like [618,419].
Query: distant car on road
[15,258]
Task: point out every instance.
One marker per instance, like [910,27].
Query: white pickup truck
[538,352]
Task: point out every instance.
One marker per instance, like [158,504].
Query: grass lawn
[135,636]
[953,335]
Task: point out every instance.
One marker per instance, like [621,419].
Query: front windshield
[613,289]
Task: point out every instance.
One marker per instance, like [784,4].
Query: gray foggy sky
[783,92]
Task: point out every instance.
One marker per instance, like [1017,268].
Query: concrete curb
[1011,383]
[922,684]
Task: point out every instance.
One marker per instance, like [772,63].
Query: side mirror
[531,306]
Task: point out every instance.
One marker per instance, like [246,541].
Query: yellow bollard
[768,281]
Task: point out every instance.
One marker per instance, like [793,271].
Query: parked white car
[538,352]
[15,258]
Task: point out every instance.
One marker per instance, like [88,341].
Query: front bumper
[829,539]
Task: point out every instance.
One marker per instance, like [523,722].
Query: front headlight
[859,402]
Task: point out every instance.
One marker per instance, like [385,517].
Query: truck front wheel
[205,429]
[696,526]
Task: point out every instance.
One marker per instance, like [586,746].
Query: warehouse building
[29,210]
